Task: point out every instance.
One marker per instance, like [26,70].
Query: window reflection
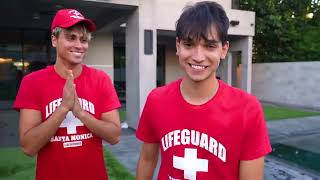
[21,52]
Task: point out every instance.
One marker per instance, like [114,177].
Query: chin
[199,78]
[76,62]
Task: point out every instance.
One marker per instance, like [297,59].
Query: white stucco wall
[288,83]
[100,53]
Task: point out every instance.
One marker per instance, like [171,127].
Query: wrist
[64,109]
[80,114]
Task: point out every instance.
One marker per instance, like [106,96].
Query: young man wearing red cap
[67,109]
[205,129]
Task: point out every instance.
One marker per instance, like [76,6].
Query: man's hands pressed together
[70,99]
[68,96]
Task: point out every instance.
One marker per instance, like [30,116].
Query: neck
[63,68]
[198,93]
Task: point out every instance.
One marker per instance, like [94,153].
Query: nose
[198,54]
[78,43]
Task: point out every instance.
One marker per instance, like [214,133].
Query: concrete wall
[224,3]
[168,12]
[121,2]
[246,20]
[173,69]
[100,53]
[141,66]
[288,83]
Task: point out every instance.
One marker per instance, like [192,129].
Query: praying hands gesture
[70,99]
[108,127]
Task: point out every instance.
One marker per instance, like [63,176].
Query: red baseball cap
[66,18]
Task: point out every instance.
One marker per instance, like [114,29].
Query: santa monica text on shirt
[85,104]
[196,138]
[77,137]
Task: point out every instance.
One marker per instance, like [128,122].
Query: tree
[283,32]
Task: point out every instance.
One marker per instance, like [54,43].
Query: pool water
[297,156]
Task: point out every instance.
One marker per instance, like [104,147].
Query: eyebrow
[212,41]
[71,34]
[207,41]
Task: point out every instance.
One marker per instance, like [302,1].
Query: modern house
[134,44]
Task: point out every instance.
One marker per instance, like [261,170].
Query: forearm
[145,169]
[252,169]
[35,138]
[107,131]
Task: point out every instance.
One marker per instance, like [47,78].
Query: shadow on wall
[238,77]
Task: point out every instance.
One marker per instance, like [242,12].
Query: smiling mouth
[77,53]
[197,67]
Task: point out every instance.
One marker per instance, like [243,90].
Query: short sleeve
[28,96]
[145,131]
[255,142]
[109,98]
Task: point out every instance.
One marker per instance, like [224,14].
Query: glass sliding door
[22,51]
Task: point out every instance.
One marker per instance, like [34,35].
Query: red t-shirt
[73,152]
[204,142]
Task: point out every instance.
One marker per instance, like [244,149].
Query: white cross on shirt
[190,164]
[71,123]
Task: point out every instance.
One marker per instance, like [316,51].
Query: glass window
[21,52]
[120,72]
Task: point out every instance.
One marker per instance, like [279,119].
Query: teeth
[77,53]
[197,67]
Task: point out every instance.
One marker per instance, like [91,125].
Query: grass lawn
[276,113]
[14,165]
[122,114]
[271,113]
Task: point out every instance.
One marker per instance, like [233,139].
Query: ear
[54,41]
[177,46]
[225,48]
